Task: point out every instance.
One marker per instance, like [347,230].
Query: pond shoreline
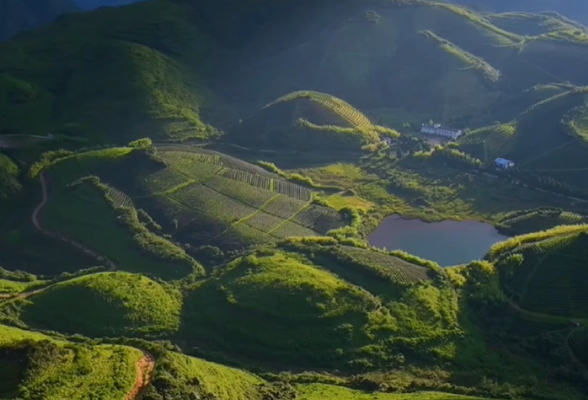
[447,242]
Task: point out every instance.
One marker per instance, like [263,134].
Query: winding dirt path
[145,367]
[36,222]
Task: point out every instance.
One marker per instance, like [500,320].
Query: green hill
[119,72]
[199,197]
[280,307]
[546,272]
[121,304]
[22,15]
[547,139]
[307,120]
[35,366]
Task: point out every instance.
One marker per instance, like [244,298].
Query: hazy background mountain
[93,4]
[19,15]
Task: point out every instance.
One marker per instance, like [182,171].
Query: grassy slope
[122,304]
[331,124]
[198,197]
[538,141]
[314,317]
[83,213]
[178,376]
[546,273]
[122,72]
[330,392]
[9,172]
[527,24]
[58,370]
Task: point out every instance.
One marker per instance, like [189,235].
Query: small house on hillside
[503,163]
[437,129]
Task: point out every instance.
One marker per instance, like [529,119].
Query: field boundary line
[169,191]
[551,151]
[253,214]
[56,235]
[304,207]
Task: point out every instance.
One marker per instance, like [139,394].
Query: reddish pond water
[448,243]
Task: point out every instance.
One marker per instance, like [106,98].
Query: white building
[503,163]
[436,129]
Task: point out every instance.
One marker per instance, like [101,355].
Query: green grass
[546,273]
[319,391]
[143,43]
[35,366]
[9,184]
[308,120]
[121,304]
[13,287]
[175,375]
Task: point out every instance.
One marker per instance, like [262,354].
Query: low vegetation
[36,366]
[123,304]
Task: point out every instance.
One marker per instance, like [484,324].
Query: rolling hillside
[25,15]
[102,73]
[33,364]
[314,317]
[198,197]
[129,305]
[310,121]
[548,139]
[546,273]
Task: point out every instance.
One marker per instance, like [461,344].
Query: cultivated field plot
[204,197]
[558,286]
[578,343]
[399,270]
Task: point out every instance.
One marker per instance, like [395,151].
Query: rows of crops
[498,139]
[284,207]
[119,198]
[399,270]
[167,212]
[320,219]
[291,190]
[521,326]
[216,205]
[342,109]
[578,344]
[292,229]
[162,181]
[172,157]
[235,163]
[258,181]
[247,194]
[558,286]
[263,221]
[183,164]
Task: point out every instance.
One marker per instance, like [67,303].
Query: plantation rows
[559,287]
[162,181]
[320,219]
[284,207]
[498,139]
[250,195]
[292,229]
[209,202]
[212,157]
[119,198]
[578,343]
[258,181]
[343,110]
[521,326]
[399,270]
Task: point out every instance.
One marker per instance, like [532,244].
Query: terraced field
[578,345]
[397,269]
[552,276]
[307,120]
[204,197]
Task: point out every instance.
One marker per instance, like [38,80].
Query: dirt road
[145,367]
[36,222]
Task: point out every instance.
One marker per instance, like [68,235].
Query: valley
[238,201]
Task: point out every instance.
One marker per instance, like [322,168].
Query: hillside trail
[37,223]
[145,367]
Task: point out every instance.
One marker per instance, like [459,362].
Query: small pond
[448,243]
